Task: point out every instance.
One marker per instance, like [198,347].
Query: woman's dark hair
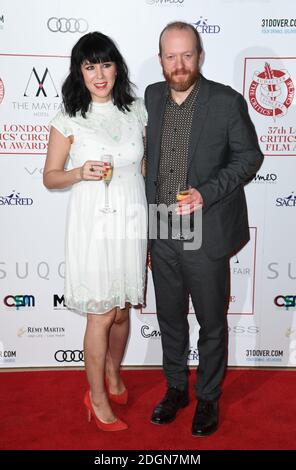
[95,48]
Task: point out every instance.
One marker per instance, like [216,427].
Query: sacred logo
[271,92]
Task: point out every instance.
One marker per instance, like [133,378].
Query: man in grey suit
[199,134]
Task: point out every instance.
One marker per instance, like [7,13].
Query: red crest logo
[271,92]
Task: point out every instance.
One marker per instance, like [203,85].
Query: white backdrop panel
[248,45]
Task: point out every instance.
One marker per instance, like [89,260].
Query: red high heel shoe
[117,425]
[119,398]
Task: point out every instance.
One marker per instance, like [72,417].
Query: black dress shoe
[205,420]
[166,410]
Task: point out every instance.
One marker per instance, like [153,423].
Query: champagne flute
[182,192]
[108,159]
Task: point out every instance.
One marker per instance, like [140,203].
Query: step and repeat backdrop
[249,45]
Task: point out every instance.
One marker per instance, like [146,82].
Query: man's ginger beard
[181,85]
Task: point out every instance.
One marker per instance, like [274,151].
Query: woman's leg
[96,343]
[117,342]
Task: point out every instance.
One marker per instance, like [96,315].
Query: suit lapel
[158,114]
[199,117]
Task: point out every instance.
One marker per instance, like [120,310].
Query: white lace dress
[105,254]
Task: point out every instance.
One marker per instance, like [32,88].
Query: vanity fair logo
[271,92]
[1,91]
[67,25]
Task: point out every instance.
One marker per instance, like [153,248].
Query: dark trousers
[176,274]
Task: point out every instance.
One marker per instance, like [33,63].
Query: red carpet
[43,410]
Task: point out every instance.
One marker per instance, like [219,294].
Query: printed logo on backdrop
[247,331]
[67,25]
[1,91]
[242,279]
[278,25]
[289,332]
[285,302]
[59,302]
[68,355]
[7,356]
[15,199]
[270,90]
[1,22]
[264,355]
[148,332]
[31,102]
[286,201]
[35,172]
[242,271]
[203,27]
[278,270]
[19,301]
[32,270]
[265,178]
[192,354]
[38,85]
[41,332]
[165,2]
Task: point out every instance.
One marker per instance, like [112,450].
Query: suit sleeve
[245,156]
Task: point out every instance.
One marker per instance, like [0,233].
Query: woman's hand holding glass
[93,170]
[107,177]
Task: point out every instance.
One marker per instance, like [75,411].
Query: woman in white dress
[105,252]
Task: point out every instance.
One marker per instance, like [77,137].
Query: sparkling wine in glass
[108,159]
[182,193]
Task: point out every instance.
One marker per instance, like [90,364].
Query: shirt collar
[190,99]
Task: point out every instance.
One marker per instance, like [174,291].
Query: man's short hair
[182,25]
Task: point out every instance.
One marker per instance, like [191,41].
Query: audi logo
[68,356]
[67,25]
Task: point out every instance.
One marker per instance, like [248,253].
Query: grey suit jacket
[223,155]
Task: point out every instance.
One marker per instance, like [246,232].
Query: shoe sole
[205,434]
[170,420]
